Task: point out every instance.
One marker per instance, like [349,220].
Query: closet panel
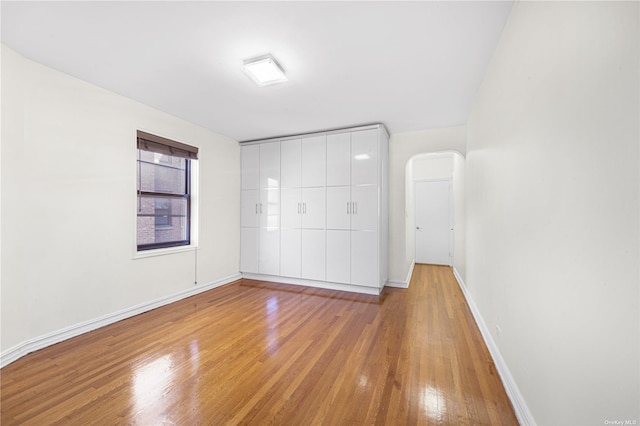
[314,161]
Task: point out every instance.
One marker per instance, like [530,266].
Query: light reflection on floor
[150,382]
[272,325]
[433,404]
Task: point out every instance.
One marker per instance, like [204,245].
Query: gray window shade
[153,143]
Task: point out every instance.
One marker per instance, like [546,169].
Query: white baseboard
[312,283]
[517,400]
[406,282]
[40,342]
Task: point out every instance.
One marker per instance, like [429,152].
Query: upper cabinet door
[364,157]
[314,161]
[339,159]
[270,165]
[290,155]
[250,166]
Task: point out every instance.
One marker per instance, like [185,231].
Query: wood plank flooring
[261,353]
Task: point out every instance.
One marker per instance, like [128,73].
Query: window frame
[144,250]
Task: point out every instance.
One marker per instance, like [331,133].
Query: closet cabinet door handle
[347,207]
[298,208]
[256,208]
[260,208]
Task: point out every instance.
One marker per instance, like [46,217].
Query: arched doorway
[434,167]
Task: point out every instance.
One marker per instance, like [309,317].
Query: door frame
[451,218]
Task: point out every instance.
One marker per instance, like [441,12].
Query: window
[164,192]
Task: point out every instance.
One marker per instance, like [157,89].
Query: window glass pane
[161,173]
[162,212]
[161,220]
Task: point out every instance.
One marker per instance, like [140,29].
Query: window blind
[153,143]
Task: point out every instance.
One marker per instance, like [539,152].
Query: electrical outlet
[499,332]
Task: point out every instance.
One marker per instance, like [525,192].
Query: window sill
[163,251]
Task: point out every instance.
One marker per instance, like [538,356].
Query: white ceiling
[409,65]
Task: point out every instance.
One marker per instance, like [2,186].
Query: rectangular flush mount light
[264,70]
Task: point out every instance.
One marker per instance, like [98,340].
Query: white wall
[68,203]
[432,166]
[403,146]
[552,208]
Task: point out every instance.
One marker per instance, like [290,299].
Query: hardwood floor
[261,353]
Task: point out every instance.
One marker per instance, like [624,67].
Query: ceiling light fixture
[264,70]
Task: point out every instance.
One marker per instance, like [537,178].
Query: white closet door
[339,256]
[249,208]
[290,155]
[269,208]
[313,254]
[250,166]
[269,253]
[249,250]
[364,258]
[313,208]
[339,207]
[364,157]
[270,165]
[291,208]
[290,253]
[314,161]
[339,159]
[364,213]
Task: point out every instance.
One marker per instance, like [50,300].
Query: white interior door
[433,221]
